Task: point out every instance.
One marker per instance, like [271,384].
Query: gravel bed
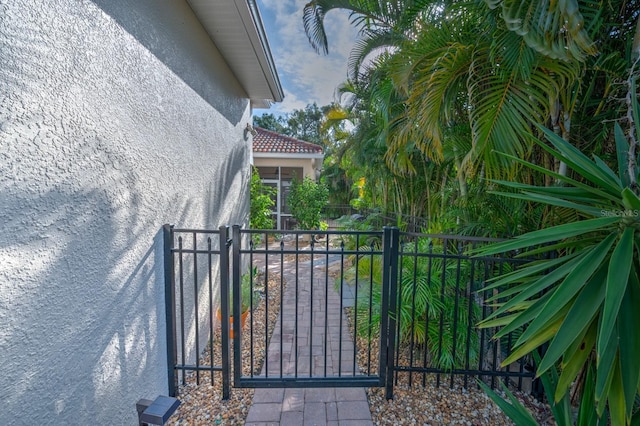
[432,405]
[443,404]
[203,404]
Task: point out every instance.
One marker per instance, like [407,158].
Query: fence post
[237,316]
[224,310]
[390,242]
[170,308]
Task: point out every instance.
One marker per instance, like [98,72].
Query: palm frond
[554,28]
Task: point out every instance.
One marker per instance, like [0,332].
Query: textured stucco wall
[115,117]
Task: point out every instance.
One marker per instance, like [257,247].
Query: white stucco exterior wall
[115,118]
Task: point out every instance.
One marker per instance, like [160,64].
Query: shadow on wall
[163,29]
[233,177]
[81,328]
[226,204]
[82,320]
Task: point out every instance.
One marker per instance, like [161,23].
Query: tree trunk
[562,131]
[443,202]
[631,95]
[631,132]
[635,54]
[566,132]
[462,181]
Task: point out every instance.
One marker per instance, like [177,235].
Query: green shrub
[306,200]
[262,202]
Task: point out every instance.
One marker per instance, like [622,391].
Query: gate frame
[170,308]
[390,250]
[387,327]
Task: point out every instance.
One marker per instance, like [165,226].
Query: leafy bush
[306,200]
[357,222]
[262,203]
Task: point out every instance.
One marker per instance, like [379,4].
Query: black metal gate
[312,339]
[325,309]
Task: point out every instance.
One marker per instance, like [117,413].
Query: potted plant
[245,300]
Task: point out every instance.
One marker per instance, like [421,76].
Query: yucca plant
[584,303]
[562,410]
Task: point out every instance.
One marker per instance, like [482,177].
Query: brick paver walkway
[309,406]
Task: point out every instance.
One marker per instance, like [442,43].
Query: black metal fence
[334,308]
[197,272]
[440,301]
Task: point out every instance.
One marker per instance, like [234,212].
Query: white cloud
[278,6]
[290,102]
[306,76]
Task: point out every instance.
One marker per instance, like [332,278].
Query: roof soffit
[235,26]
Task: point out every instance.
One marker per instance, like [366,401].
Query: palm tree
[506,70]
[598,36]
[405,181]
[467,67]
[381,24]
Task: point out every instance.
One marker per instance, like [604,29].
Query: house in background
[116,118]
[280,159]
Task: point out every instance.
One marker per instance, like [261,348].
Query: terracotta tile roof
[269,141]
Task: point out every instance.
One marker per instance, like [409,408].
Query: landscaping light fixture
[156,412]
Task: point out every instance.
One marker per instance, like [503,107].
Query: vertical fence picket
[170,308]
[236,243]
[224,310]
[389,299]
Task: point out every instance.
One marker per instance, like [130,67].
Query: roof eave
[235,27]
[282,155]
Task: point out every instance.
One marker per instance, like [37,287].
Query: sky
[306,76]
